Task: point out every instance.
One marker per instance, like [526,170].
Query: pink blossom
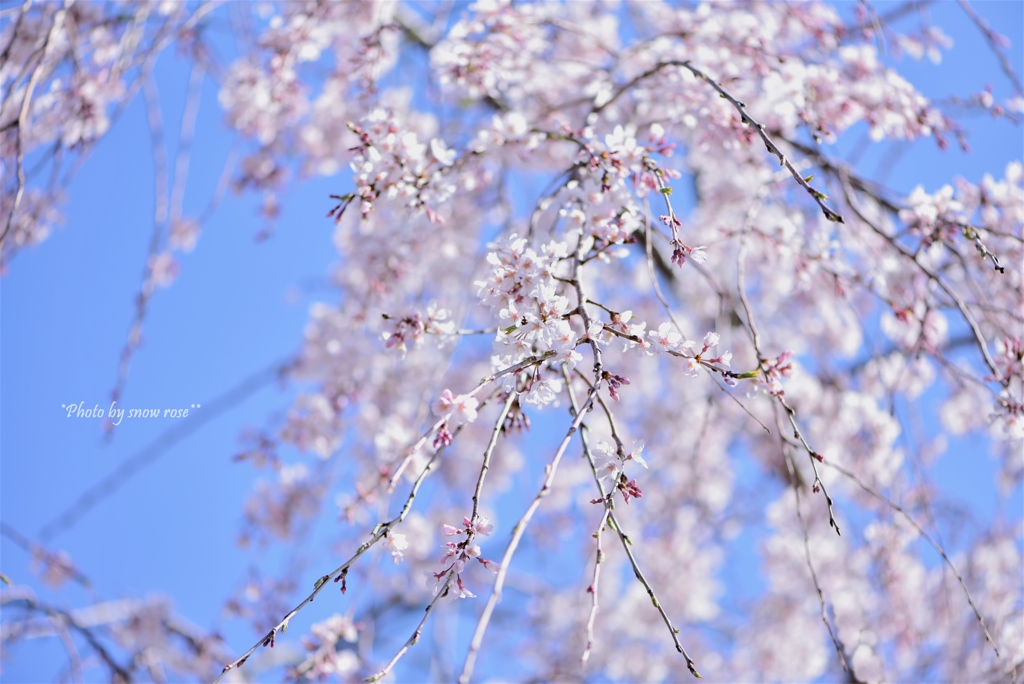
[482,526]
[463,591]
[461,408]
[665,338]
[634,455]
[396,544]
[543,392]
[490,565]
[606,460]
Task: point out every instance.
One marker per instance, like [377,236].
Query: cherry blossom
[396,544]
[460,408]
[327,651]
[556,226]
[665,338]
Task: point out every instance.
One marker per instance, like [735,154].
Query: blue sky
[238,306]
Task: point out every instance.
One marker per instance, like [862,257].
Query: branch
[550,469]
[934,544]
[593,588]
[485,466]
[378,533]
[995,44]
[514,368]
[442,592]
[818,196]
[957,299]
[810,566]
[58,19]
[61,617]
[790,412]
[626,543]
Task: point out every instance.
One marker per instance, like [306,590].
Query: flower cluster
[602,200]
[391,162]
[53,568]
[330,650]
[454,410]
[493,51]
[523,286]
[680,250]
[458,554]
[1008,416]
[313,425]
[262,102]
[396,544]
[666,339]
[610,463]
[401,332]
[278,508]
[774,370]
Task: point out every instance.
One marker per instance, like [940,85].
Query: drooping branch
[935,545]
[614,523]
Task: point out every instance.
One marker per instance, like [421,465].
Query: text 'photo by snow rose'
[116,414]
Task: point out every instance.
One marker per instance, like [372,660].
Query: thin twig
[188,127]
[938,549]
[992,38]
[517,535]
[818,196]
[412,640]
[810,564]
[613,521]
[443,590]
[378,533]
[160,202]
[486,464]
[594,585]
[813,456]
[740,404]
[514,368]
[740,107]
